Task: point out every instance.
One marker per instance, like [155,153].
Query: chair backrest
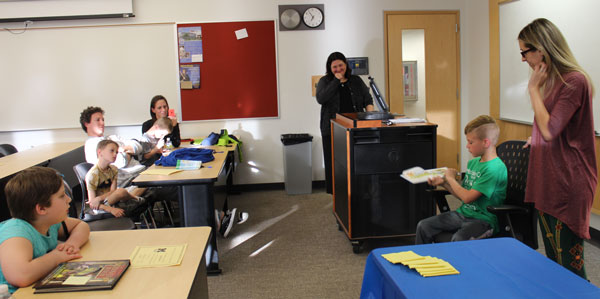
[516,159]
[81,170]
[7,149]
[102,222]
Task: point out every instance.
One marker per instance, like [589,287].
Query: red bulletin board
[238,78]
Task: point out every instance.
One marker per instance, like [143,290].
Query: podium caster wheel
[356,247]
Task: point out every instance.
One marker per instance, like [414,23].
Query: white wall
[354,27]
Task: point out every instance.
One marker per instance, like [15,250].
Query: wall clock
[313,17]
[301,17]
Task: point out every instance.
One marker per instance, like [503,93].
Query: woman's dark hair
[337,56]
[153,102]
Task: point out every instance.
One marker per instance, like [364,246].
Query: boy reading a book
[29,247]
[101,182]
[484,184]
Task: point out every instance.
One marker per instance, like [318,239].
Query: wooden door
[442,74]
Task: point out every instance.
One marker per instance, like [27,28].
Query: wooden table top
[208,172]
[162,282]
[16,162]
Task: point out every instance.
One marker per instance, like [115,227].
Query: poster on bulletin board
[190,44]
[237,76]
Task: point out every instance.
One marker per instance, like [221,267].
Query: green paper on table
[188,165]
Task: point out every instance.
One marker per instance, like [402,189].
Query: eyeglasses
[526,51]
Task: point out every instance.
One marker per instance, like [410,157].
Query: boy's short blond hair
[104,143]
[29,188]
[164,123]
[484,126]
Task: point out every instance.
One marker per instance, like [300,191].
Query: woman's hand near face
[341,77]
[173,120]
[540,73]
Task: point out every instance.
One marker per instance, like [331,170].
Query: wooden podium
[370,199]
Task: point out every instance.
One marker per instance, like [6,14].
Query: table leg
[196,208]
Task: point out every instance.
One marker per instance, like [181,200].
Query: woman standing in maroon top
[562,173]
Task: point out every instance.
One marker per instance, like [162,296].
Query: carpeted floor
[291,248]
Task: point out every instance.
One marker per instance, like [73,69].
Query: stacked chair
[7,149]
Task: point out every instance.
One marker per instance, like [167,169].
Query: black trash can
[297,163]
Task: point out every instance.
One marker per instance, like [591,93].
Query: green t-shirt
[489,178]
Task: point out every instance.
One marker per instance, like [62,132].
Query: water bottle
[168,144]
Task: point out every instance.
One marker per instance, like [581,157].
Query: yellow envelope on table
[426,260]
[401,257]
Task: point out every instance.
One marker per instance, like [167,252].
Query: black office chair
[516,218]
[7,149]
[101,221]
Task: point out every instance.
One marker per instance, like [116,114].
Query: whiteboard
[577,20]
[62,8]
[50,75]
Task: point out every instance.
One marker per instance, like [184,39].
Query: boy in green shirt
[484,184]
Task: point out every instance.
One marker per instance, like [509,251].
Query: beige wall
[354,27]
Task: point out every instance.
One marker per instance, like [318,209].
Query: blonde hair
[484,126]
[543,35]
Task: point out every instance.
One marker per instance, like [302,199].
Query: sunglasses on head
[526,51]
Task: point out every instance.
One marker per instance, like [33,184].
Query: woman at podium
[339,92]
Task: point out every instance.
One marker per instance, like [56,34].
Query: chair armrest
[507,209]
[439,195]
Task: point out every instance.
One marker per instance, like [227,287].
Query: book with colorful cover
[82,276]
[417,175]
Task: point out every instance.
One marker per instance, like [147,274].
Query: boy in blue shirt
[29,247]
[484,184]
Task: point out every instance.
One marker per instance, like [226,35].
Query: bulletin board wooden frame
[238,77]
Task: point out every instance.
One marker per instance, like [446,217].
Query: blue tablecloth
[490,268]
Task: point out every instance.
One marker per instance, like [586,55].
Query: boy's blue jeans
[463,228]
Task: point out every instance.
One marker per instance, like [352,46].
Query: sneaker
[228,222]
[243,216]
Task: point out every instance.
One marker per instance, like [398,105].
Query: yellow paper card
[400,257]
[157,256]
[160,171]
[440,274]
[427,260]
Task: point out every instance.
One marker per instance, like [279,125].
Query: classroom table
[489,268]
[196,190]
[41,154]
[60,156]
[187,280]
